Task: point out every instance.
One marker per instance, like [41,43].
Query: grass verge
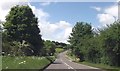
[26,62]
[0,63]
[101,66]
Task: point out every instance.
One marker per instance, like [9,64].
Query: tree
[1,26]
[101,46]
[81,32]
[21,24]
[110,39]
[49,47]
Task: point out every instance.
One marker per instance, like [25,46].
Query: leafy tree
[21,24]
[110,44]
[93,52]
[81,32]
[59,44]
[49,47]
[101,46]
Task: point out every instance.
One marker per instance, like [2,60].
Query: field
[25,62]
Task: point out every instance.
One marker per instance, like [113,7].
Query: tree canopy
[101,46]
[21,24]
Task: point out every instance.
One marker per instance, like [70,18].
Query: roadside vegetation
[0,62]
[59,50]
[102,66]
[105,67]
[21,39]
[22,45]
[96,46]
[24,62]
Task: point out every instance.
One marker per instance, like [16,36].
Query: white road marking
[90,67]
[82,64]
[69,67]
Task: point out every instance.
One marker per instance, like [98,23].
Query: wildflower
[8,54]
[3,52]
[6,67]
[39,58]
[33,57]
[24,61]
[19,63]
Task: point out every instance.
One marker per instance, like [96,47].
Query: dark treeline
[101,46]
[50,46]
[21,35]
[60,44]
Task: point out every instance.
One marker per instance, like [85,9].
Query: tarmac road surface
[62,63]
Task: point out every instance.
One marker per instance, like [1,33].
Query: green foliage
[110,44]
[25,62]
[17,49]
[96,47]
[59,50]
[81,33]
[102,66]
[21,24]
[53,47]
[49,47]
[60,44]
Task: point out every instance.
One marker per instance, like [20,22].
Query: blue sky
[73,11]
[56,19]
[66,14]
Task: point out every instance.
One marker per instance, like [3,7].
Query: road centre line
[69,67]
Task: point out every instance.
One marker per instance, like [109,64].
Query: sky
[56,19]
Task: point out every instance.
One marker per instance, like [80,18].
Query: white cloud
[45,3]
[109,15]
[5,7]
[96,8]
[113,10]
[63,24]
[3,13]
[117,0]
[66,30]
[105,19]
[58,31]
[40,14]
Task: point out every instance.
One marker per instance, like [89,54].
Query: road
[63,63]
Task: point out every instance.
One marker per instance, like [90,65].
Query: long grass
[0,63]
[24,62]
[101,66]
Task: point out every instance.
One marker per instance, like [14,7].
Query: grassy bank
[25,62]
[101,66]
[59,50]
[0,62]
